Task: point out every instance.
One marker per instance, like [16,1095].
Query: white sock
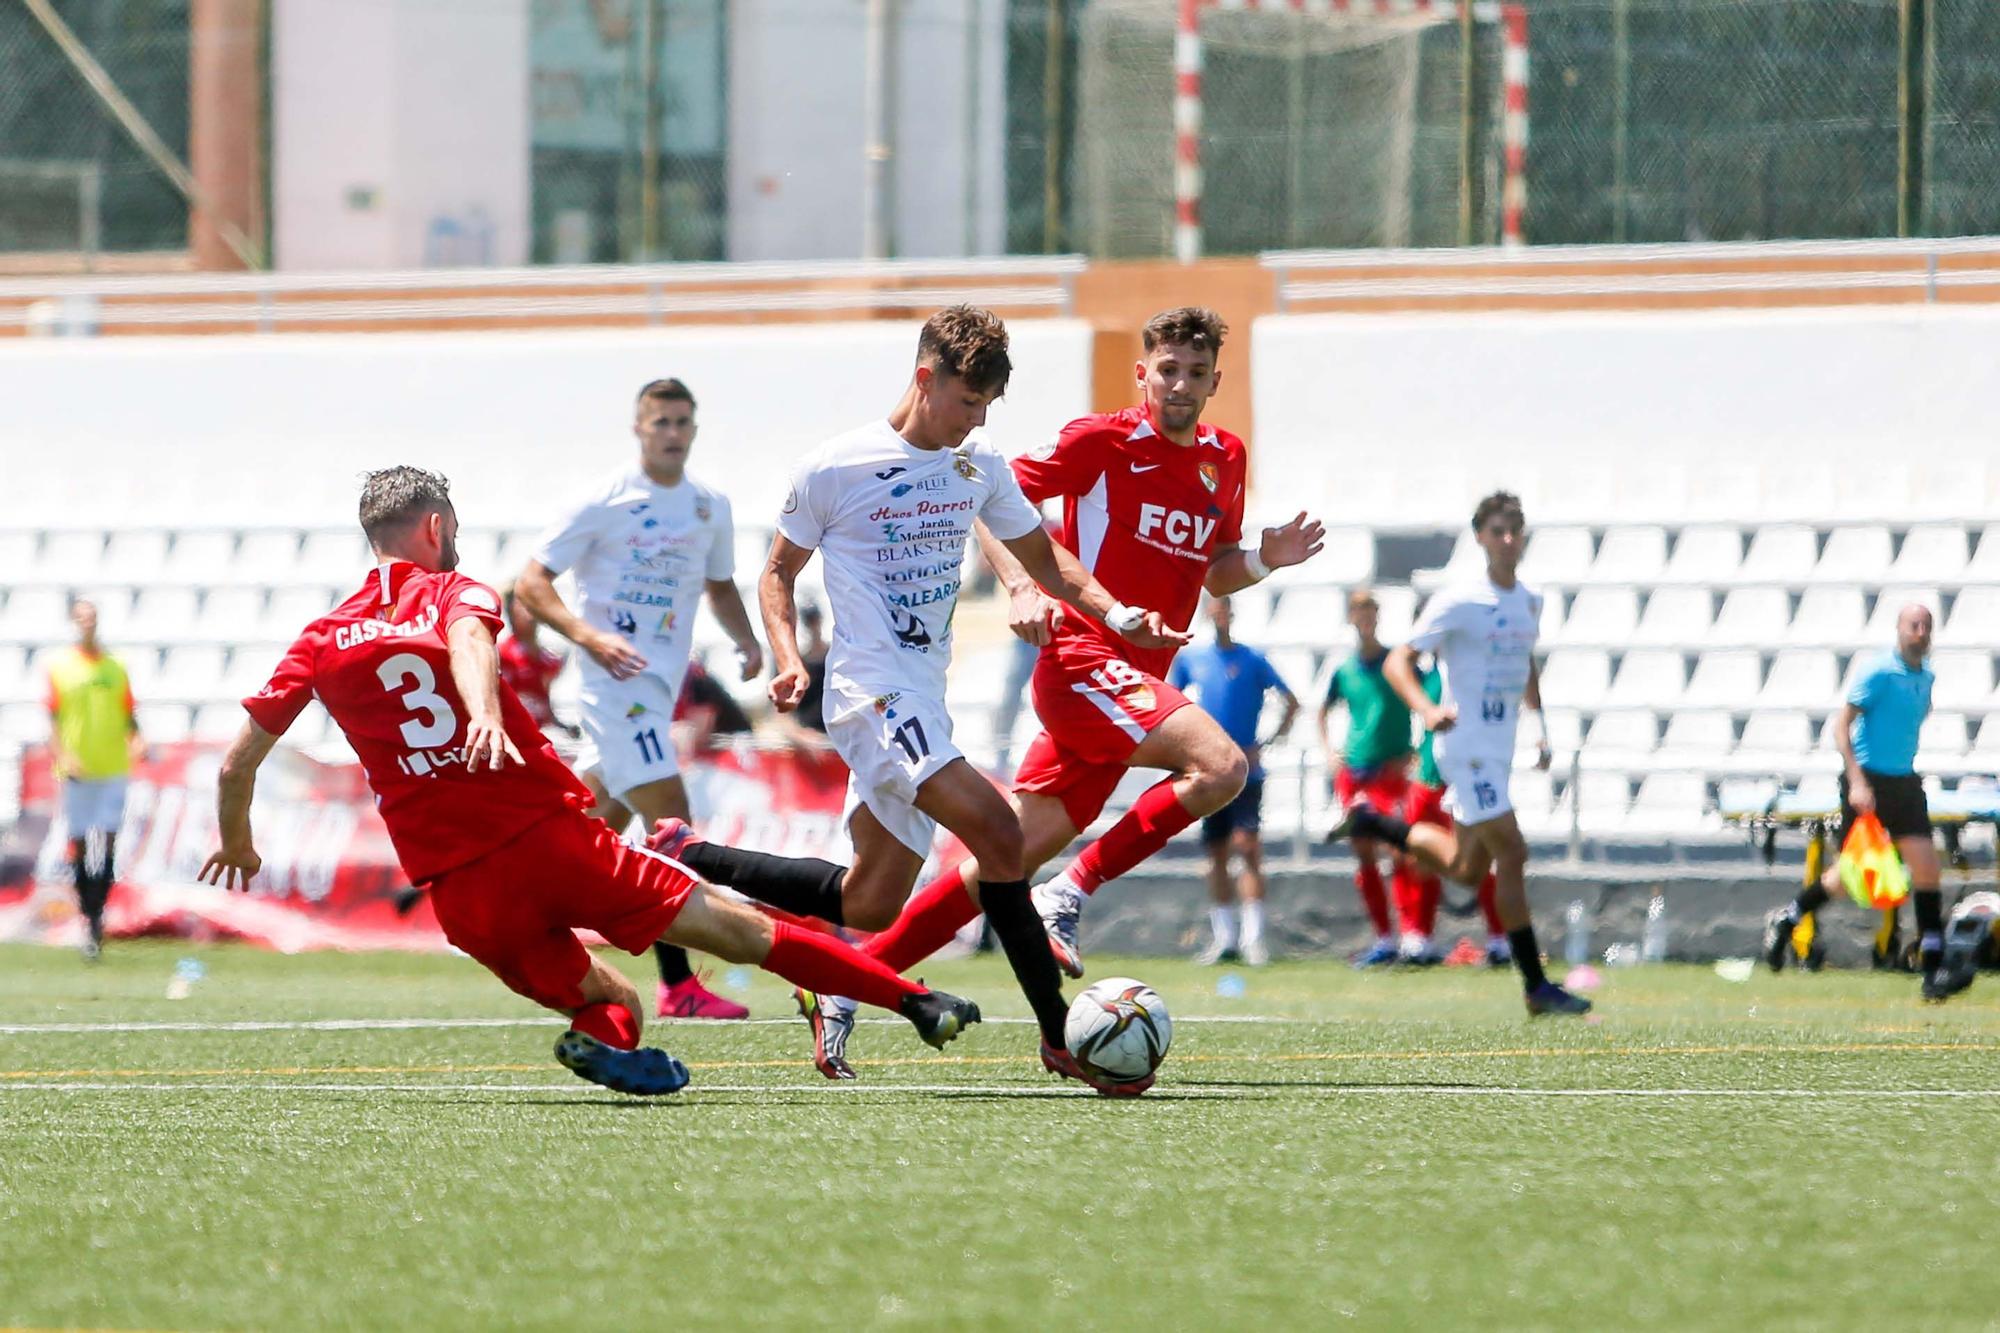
[1253,922]
[1222,924]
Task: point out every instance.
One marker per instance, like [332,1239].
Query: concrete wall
[275,429]
[399,133]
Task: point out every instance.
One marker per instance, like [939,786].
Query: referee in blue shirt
[1228,680]
[1877,733]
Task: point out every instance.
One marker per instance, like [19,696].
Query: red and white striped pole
[1187,133]
[1514,125]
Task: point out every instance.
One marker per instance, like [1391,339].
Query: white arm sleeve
[722,555]
[1007,511]
[805,515]
[564,544]
[1436,623]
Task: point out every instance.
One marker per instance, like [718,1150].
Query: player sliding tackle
[484,816]
[1483,635]
[889,506]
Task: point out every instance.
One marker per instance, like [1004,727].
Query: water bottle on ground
[1576,934]
[1653,948]
[186,973]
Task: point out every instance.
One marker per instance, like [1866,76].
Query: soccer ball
[1119,1028]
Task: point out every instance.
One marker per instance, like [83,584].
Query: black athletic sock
[1929,904]
[673,961]
[801,885]
[1373,823]
[1811,898]
[1527,957]
[1026,941]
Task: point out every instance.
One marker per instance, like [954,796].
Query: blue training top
[1893,698]
[1229,684]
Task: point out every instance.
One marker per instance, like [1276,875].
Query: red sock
[1489,904]
[612,1024]
[1428,913]
[934,914]
[822,963]
[1368,880]
[1408,882]
[1153,819]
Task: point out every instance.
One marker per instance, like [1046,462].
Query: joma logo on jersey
[1176,526]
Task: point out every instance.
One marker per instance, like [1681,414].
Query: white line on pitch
[1270,1092]
[400,1024]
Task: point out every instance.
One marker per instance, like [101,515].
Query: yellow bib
[93,712]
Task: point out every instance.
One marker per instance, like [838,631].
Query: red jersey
[379,664]
[1145,515]
[530,671]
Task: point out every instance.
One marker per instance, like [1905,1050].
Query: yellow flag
[1869,867]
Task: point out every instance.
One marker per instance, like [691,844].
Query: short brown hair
[969,343]
[1360,597]
[668,390]
[1188,326]
[395,497]
[1500,502]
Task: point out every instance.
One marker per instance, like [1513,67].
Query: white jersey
[1483,637]
[890,520]
[642,553]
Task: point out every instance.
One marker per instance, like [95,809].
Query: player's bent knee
[732,931]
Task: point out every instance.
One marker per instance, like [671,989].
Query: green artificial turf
[1402,1150]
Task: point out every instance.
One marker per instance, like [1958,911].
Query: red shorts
[1425,805]
[517,909]
[1385,787]
[1094,715]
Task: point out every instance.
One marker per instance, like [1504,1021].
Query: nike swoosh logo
[1148,468]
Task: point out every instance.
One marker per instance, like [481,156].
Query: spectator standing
[93,744]
[1228,680]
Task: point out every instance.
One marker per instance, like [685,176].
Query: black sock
[1929,904]
[1372,823]
[801,885]
[1026,941]
[1810,899]
[1527,957]
[673,961]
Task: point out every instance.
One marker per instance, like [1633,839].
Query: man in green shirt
[1375,760]
[93,743]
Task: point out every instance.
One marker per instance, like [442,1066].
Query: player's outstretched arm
[1028,607]
[475,670]
[1400,670]
[1293,544]
[777,599]
[536,590]
[232,867]
[727,603]
[1061,573]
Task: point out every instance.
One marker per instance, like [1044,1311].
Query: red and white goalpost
[1512,18]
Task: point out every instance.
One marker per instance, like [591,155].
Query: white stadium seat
[230,615]
[1709,554]
[162,724]
[1974,619]
[292,609]
[192,672]
[1984,567]
[1576,677]
[1602,800]
[1648,678]
[1553,614]
[1398,613]
[1889,603]
[1782,553]
[1986,745]
[1725,678]
[203,557]
[71,556]
[1801,678]
[1308,615]
[1251,609]
[1670,803]
[23,724]
[1558,555]
[1348,557]
[135,555]
[337,556]
[1943,741]
[1600,617]
[1533,793]
[1752,616]
[1797,495]
[1964,679]
[163,615]
[1696,738]
[35,615]
[1565,733]
[1828,616]
[1630,555]
[1932,553]
[1855,555]
[268,555]
[16,683]
[1774,739]
[1677,616]
[19,550]
[220,721]
[1621,738]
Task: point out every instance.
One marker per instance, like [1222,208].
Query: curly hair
[969,343]
[1187,326]
[1500,502]
[395,497]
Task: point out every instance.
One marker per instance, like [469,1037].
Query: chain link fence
[1652,120]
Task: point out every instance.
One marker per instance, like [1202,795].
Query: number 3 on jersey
[442,723]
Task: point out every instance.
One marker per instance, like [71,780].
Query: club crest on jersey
[1211,476]
[702,508]
[668,621]
[964,467]
[636,710]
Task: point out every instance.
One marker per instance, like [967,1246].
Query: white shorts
[628,732]
[1475,787]
[93,805]
[892,744]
